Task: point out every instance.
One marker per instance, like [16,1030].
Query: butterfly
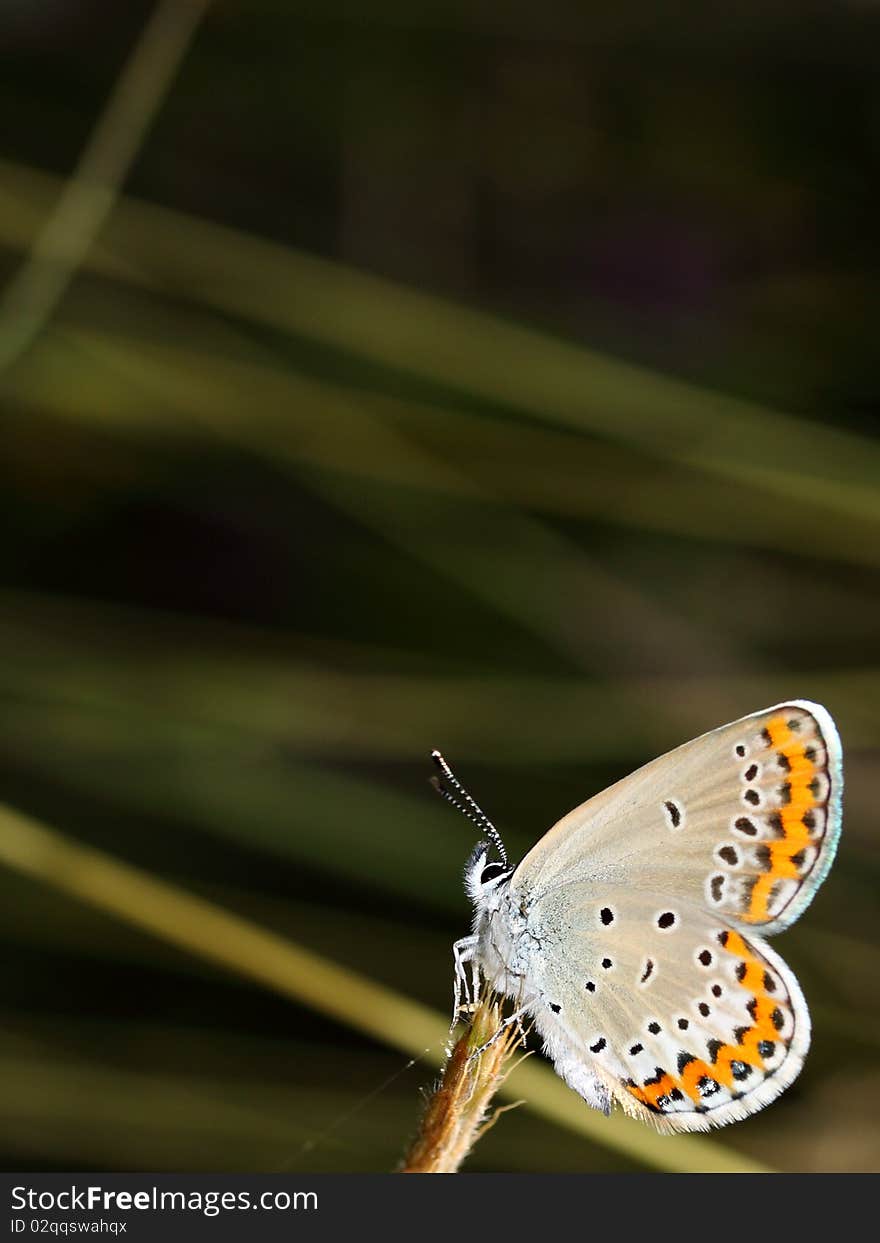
[632,934]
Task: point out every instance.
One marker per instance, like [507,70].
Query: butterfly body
[632,934]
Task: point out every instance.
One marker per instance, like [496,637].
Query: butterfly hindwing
[686,1021]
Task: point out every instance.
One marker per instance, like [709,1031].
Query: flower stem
[458,1111]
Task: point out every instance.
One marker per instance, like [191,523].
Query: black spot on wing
[674,812]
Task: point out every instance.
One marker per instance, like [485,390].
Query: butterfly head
[484,879]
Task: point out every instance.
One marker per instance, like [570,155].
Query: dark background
[524,405]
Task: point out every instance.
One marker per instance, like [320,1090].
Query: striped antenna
[465,804]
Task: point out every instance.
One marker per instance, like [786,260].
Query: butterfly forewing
[743,820]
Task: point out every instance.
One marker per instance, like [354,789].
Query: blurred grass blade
[87,199]
[211,380]
[465,350]
[513,562]
[143,673]
[241,946]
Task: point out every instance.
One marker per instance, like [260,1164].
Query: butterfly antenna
[465,804]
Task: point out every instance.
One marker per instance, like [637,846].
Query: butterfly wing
[688,1023]
[653,984]
[744,821]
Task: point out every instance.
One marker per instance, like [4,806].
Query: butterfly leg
[514,1018]
[463,991]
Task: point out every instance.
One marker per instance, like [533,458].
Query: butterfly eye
[490,871]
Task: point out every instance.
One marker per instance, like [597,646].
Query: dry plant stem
[457,1113]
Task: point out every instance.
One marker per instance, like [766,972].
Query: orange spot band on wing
[695,1071]
[764,1006]
[799,776]
[654,1091]
[651,1093]
[762,1028]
